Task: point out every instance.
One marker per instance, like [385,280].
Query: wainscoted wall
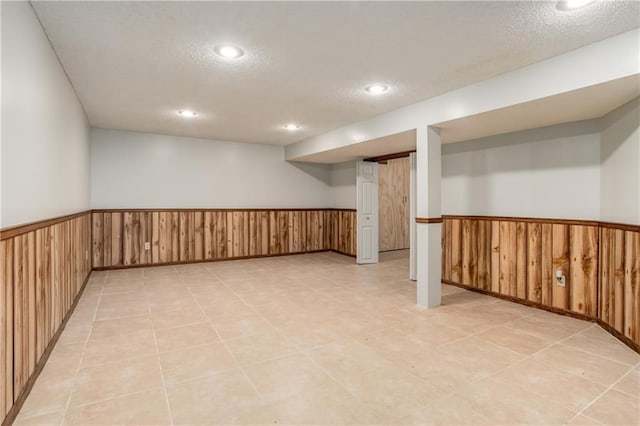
[181,236]
[43,267]
[620,280]
[518,258]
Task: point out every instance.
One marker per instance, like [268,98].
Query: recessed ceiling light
[573,4]
[187,113]
[228,51]
[291,126]
[377,89]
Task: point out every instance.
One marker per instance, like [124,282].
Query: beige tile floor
[316,339]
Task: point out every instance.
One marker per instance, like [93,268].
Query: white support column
[429,250]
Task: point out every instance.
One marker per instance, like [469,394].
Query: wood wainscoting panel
[619,284]
[183,236]
[470,252]
[632,286]
[555,295]
[518,258]
[534,262]
[42,271]
[584,269]
[6,326]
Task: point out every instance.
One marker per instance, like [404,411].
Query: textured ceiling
[133,64]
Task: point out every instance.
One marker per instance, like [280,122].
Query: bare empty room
[320,213]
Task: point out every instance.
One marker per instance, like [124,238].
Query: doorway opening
[396,219]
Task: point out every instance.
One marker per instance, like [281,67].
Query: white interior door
[413,228]
[367,212]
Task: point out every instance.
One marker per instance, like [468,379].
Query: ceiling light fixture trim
[229,51]
[377,89]
[567,5]
[186,113]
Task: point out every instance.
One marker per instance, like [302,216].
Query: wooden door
[393,187]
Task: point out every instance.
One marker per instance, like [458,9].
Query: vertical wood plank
[456,250]
[283,228]
[484,254]
[316,236]
[508,284]
[632,286]
[155,237]
[245,233]
[253,234]
[605,299]
[209,232]
[445,246]
[116,239]
[221,235]
[43,288]
[31,288]
[295,231]
[6,325]
[145,238]
[469,252]
[552,252]
[127,237]
[274,247]
[561,261]
[534,262]
[264,232]
[163,224]
[185,254]
[619,279]
[199,235]
[236,227]
[98,234]
[583,253]
[20,310]
[107,245]
[495,256]
[521,260]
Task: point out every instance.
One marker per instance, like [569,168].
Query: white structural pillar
[428,216]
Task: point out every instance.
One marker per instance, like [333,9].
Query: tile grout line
[84,348]
[568,372]
[607,390]
[244,373]
[164,383]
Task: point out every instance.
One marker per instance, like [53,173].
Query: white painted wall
[45,134]
[551,172]
[588,170]
[142,170]
[343,185]
[620,153]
